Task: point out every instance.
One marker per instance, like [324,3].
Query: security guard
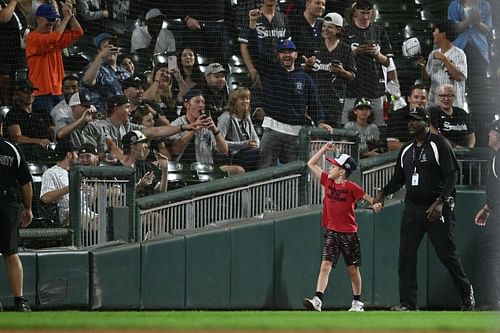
[488,218]
[15,176]
[428,168]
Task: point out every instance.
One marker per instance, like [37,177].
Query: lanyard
[416,161]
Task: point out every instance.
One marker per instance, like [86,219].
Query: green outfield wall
[267,263]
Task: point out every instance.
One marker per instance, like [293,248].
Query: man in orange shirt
[43,52]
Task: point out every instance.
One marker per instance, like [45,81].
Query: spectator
[331,67]
[397,125]
[24,123]
[214,90]
[271,25]
[82,113]
[88,155]
[62,110]
[153,36]
[446,64]
[306,30]
[206,27]
[133,89]
[43,52]
[361,119]
[238,131]
[290,100]
[117,124]
[55,181]
[126,62]
[12,28]
[161,91]
[93,16]
[452,122]
[16,180]
[102,77]
[372,50]
[151,178]
[189,72]
[199,145]
[473,19]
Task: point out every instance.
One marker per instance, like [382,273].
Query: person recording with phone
[102,77]
[372,49]
[82,114]
[331,68]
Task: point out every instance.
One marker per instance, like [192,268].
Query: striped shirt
[438,75]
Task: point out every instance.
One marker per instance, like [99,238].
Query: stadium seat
[235,80]
[236,65]
[202,62]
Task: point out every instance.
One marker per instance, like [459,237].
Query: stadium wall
[271,263]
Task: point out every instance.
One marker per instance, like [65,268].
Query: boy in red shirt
[341,196]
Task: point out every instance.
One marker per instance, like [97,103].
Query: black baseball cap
[87,148]
[362,4]
[362,102]
[191,93]
[419,114]
[133,81]
[63,147]
[116,100]
[495,126]
[133,137]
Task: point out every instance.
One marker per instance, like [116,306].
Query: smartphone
[369,43]
[172,62]
[114,41]
[336,62]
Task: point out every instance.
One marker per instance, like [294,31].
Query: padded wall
[62,279]
[116,279]
[163,273]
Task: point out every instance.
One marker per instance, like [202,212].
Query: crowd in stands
[228,83]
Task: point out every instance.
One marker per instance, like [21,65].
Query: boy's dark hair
[351,116]
[448,27]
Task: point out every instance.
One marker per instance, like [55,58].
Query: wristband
[217,133]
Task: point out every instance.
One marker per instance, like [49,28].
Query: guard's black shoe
[1,307]
[404,307]
[468,302]
[21,305]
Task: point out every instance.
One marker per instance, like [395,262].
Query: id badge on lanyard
[415,178]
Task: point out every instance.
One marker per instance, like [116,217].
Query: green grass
[256,320]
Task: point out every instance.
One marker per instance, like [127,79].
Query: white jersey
[439,75]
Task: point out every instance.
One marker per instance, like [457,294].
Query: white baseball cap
[334,18]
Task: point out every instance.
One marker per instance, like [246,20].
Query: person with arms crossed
[428,168]
[338,218]
[488,218]
[14,173]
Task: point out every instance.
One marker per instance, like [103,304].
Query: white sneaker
[313,304]
[357,306]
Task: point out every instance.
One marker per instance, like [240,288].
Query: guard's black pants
[413,227]
[489,263]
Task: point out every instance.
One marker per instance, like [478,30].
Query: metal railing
[234,198]
[346,142]
[93,191]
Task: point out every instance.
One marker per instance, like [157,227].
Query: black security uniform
[489,249]
[13,173]
[428,171]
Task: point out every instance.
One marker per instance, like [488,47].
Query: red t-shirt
[339,203]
